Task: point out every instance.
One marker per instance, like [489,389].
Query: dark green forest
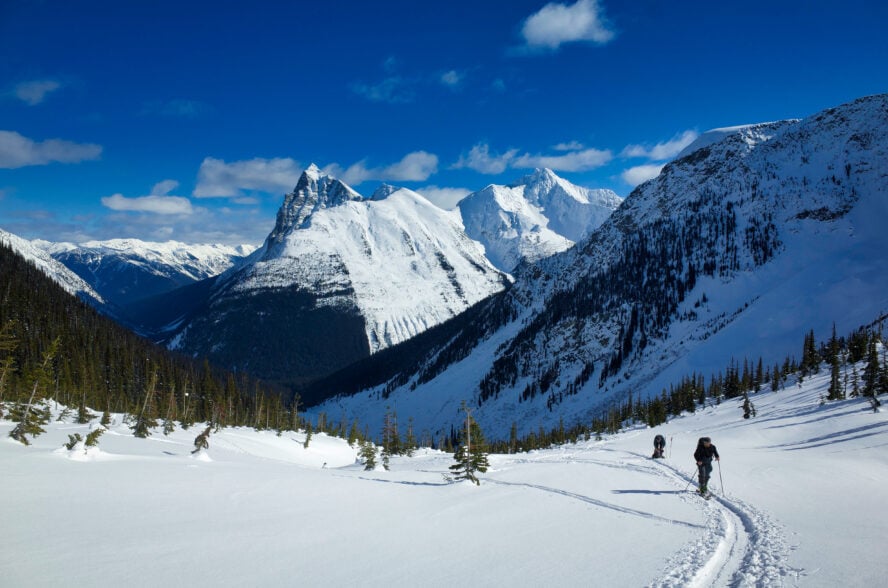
[81,358]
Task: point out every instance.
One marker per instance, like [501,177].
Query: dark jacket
[659,441]
[705,454]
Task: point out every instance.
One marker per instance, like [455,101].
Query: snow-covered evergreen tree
[368,455]
[471,453]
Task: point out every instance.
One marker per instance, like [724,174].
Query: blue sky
[190,120]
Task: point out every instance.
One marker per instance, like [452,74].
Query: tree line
[54,346]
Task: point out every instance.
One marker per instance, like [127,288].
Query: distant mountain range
[752,237]
[339,277]
[125,271]
[61,275]
[735,251]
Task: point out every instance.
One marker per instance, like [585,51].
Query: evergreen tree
[855,382]
[391,438]
[810,356]
[30,418]
[748,407]
[883,372]
[73,440]
[83,414]
[202,441]
[92,439]
[835,383]
[354,433]
[308,432]
[368,455]
[8,345]
[410,440]
[871,373]
[145,421]
[471,453]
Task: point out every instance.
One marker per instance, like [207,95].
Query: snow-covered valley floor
[799,501]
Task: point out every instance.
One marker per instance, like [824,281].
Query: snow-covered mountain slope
[339,278]
[126,270]
[799,501]
[734,251]
[68,280]
[535,217]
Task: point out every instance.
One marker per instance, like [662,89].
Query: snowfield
[798,501]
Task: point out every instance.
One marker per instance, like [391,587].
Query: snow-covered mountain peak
[537,216]
[340,277]
[543,181]
[314,191]
[383,192]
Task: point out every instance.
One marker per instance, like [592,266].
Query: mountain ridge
[698,265]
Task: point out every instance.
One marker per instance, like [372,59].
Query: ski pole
[720,481]
[689,483]
[670,446]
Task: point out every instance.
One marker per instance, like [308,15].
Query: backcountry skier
[659,446]
[704,454]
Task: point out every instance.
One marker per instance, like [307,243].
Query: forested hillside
[90,360]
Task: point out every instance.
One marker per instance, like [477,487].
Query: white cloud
[452,78]
[575,161]
[19,151]
[154,204]
[641,173]
[416,167]
[394,90]
[480,160]
[164,188]
[35,91]
[569,146]
[556,24]
[445,198]
[662,151]
[216,178]
[413,167]
[245,200]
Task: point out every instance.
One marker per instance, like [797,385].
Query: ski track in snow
[738,546]
[741,546]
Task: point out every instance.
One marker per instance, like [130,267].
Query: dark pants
[705,469]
